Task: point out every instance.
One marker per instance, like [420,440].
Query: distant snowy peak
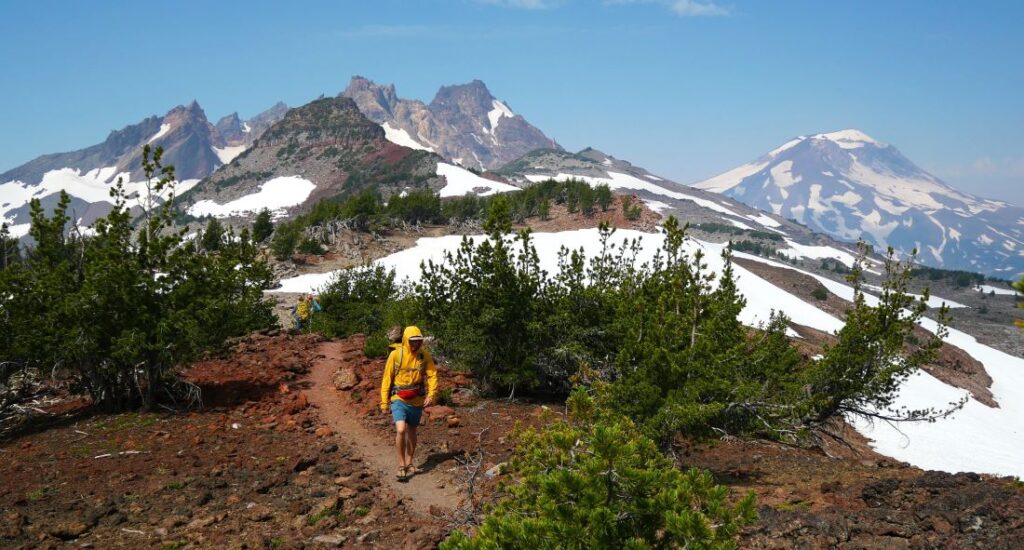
[850,139]
[851,186]
[463,123]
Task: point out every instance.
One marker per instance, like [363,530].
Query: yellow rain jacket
[304,309]
[415,369]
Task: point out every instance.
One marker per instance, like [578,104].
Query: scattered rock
[68,530]
[173,521]
[205,521]
[453,421]
[324,431]
[332,448]
[298,404]
[329,503]
[330,540]
[346,378]
[11,525]
[494,471]
[304,463]
[260,513]
[307,259]
[440,411]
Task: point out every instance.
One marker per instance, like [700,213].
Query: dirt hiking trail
[428,492]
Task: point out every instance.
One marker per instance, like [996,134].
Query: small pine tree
[262,227]
[544,209]
[286,237]
[10,252]
[587,200]
[604,196]
[213,236]
[499,216]
[1019,285]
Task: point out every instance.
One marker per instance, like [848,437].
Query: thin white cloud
[684,8]
[692,8]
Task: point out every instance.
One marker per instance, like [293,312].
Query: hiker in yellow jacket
[409,384]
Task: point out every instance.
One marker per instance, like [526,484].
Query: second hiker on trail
[409,384]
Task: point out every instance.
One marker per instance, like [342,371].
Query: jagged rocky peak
[464,123]
[467,99]
[376,101]
[230,128]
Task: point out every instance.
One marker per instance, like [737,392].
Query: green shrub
[311,246]
[444,397]
[118,310]
[262,226]
[356,300]
[601,484]
[376,345]
[286,238]
[820,293]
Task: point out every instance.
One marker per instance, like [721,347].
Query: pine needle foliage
[116,311]
[595,481]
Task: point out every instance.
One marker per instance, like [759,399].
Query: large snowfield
[977,438]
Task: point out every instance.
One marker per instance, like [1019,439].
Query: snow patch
[499,110]
[463,182]
[849,139]
[764,220]
[399,136]
[727,180]
[164,128]
[782,174]
[276,195]
[814,252]
[657,206]
[997,290]
[227,154]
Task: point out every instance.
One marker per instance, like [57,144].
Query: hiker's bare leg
[410,444]
[401,429]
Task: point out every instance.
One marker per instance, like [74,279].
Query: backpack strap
[396,368]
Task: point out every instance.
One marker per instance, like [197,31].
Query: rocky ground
[289,452]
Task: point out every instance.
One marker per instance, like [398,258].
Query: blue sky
[685,88]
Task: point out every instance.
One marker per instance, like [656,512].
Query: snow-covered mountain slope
[191,144]
[667,197]
[465,124]
[851,186]
[978,438]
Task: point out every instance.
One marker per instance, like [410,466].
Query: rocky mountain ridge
[323,149]
[463,123]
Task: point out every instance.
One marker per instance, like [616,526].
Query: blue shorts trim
[402,411]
